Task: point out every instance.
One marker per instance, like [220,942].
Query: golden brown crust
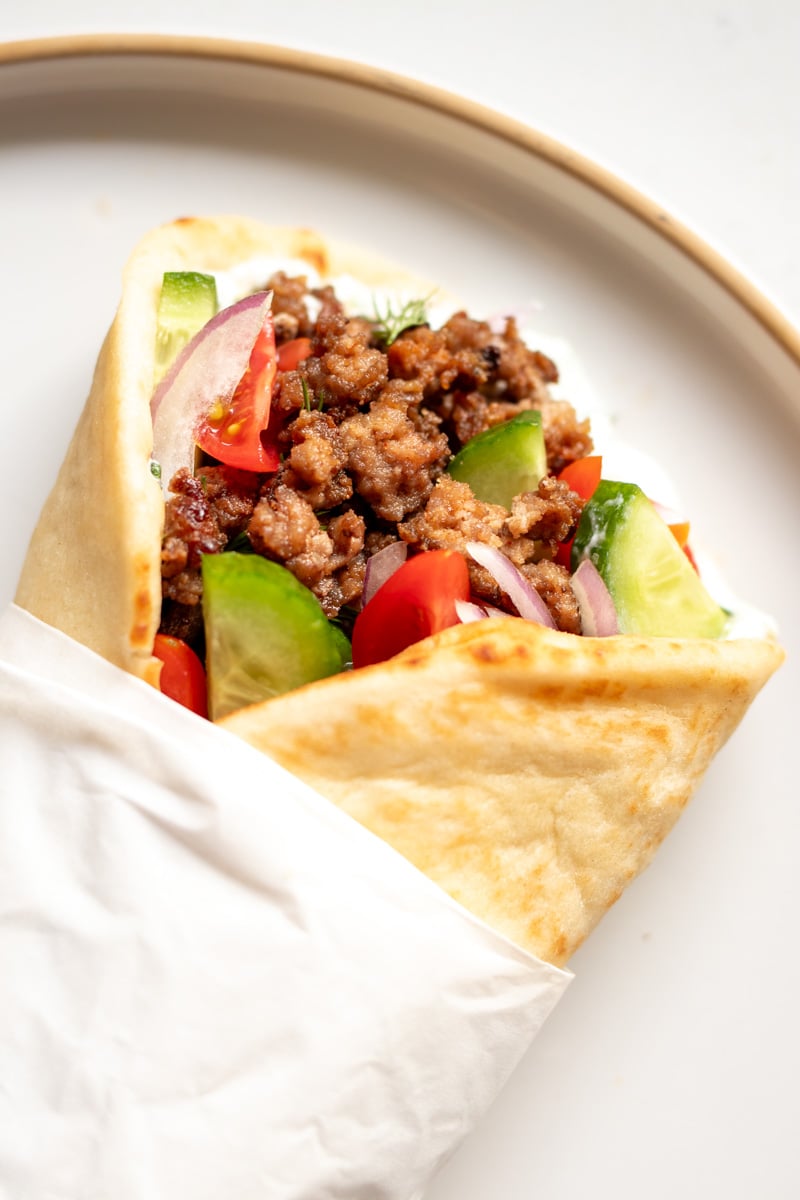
[532,774]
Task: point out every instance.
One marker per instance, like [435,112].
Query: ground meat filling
[314,466]
[344,369]
[285,529]
[204,513]
[436,362]
[552,583]
[366,434]
[290,313]
[566,438]
[393,464]
[528,535]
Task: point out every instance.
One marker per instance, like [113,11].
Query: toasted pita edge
[530,773]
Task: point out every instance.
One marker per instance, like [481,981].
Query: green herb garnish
[345,620]
[308,397]
[241,544]
[388,325]
[155,468]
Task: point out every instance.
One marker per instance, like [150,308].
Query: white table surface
[695,102]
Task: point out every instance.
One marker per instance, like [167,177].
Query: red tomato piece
[416,601]
[583,476]
[291,354]
[182,675]
[564,553]
[232,432]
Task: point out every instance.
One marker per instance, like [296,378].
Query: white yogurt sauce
[621,461]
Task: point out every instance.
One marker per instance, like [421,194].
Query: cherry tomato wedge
[583,476]
[291,354]
[182,675]
[232,432]
[564,553]
[416,601]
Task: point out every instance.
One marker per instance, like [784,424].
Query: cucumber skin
[617,520]
[491,463]
[187,302]
[266,633]
[600,521]
[182,289]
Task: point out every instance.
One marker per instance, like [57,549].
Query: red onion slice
[467,612]
[207,370]
[527,601]
[491,611]
[598,615]
[381,566]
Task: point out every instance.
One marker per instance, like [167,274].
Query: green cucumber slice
[504,461]
[188,301]
[655,589]
[266,633]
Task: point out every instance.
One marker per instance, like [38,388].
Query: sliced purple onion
[598,614]
[527,601]
[381,566]
[491,611]
[206,371]
[467,612]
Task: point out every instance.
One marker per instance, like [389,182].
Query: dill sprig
[389,324]
[308,397]
[241,544]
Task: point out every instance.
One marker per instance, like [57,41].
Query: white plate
[671,1066]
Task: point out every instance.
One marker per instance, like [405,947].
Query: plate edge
[557,154]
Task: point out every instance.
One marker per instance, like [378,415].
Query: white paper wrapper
[212,982]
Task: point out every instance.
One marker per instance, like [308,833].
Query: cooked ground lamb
[328,560]
[367,433]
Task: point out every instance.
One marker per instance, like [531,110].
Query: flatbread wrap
[531,767]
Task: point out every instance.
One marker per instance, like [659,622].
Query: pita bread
[532,774]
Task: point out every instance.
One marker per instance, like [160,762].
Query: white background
[696,102]
[698,105]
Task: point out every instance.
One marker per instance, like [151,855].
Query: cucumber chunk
[188,301]
[266,633]
[655,589]
[504,461]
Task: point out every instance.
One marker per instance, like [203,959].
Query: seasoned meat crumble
[367,432]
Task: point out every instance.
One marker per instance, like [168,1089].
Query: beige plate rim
[428,96]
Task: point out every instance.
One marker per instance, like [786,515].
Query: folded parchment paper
[212,982]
